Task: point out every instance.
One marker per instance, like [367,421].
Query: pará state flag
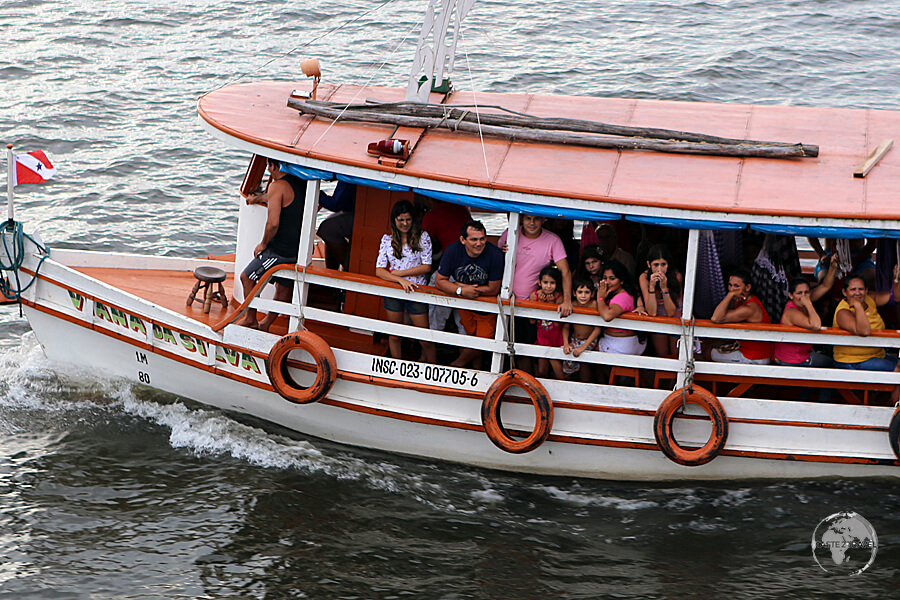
[33,167]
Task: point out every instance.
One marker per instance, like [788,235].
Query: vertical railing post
[686,347]
[307,243]
[509,268]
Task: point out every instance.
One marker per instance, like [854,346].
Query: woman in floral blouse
[404,257]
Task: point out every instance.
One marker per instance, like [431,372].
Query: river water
[107,491]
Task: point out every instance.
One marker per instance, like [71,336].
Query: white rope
[487,171]
[365,85]
[312,41]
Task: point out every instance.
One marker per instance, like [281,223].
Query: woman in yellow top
[858,314]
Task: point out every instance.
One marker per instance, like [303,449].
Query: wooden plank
[876,155]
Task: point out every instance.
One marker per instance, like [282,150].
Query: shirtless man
[284,199]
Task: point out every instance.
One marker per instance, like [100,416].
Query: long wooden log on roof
[517,119]
[734,148]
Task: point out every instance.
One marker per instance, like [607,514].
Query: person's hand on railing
[407,285]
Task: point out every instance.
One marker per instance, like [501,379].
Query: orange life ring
[665,416]
[284,383]
[894,433]
[543,412]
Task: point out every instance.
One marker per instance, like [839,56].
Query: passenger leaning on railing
[617,294]
[549,333]
[858,314]
[740,306]
[799,312]
[579,338]
[661,287]
[404,257]
[470,268]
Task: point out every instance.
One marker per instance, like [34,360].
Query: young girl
[579,338]
[549,333]
[661,291]
[404,257]
[616,295]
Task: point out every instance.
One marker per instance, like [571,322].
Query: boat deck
[170,289]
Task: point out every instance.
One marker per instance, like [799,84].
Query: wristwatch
[459,291]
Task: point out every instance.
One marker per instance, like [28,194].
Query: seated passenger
[608,242]
[470,268]
[799,312]
[616,295]
[590,266]
[740,306]
[565,230]
[661,290]
[579,338]
[858,314]
[404,257]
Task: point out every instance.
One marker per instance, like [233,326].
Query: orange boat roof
[257,117]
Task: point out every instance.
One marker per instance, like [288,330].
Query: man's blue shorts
[265,261]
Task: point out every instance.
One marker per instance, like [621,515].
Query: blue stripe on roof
[826,232]
[306,172]
[550,212]
[558,212]
[372,183]
[685,223]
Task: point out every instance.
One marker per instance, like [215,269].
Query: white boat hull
[598,432]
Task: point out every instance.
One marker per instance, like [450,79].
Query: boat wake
[37,395]
[44,398]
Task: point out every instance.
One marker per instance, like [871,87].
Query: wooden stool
[632,372]
[663,376]
[206,277]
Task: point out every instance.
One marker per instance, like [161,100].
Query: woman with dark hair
[617,294]
[740,306]
[661,291]
[858,314]
[799,312]
[404,257]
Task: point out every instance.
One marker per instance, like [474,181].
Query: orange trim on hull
[468,426]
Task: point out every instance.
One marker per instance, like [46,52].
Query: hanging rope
[311,41]
[487,171]
[365,85]
[13,235]
[510,332]
[687,338]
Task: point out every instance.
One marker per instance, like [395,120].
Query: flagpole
[10,173]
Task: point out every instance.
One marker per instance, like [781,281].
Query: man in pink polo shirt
[535,249]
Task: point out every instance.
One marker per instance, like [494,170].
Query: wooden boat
[323,371]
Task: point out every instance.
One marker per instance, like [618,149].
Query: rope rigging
[13,236]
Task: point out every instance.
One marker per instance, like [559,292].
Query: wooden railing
[706,329]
